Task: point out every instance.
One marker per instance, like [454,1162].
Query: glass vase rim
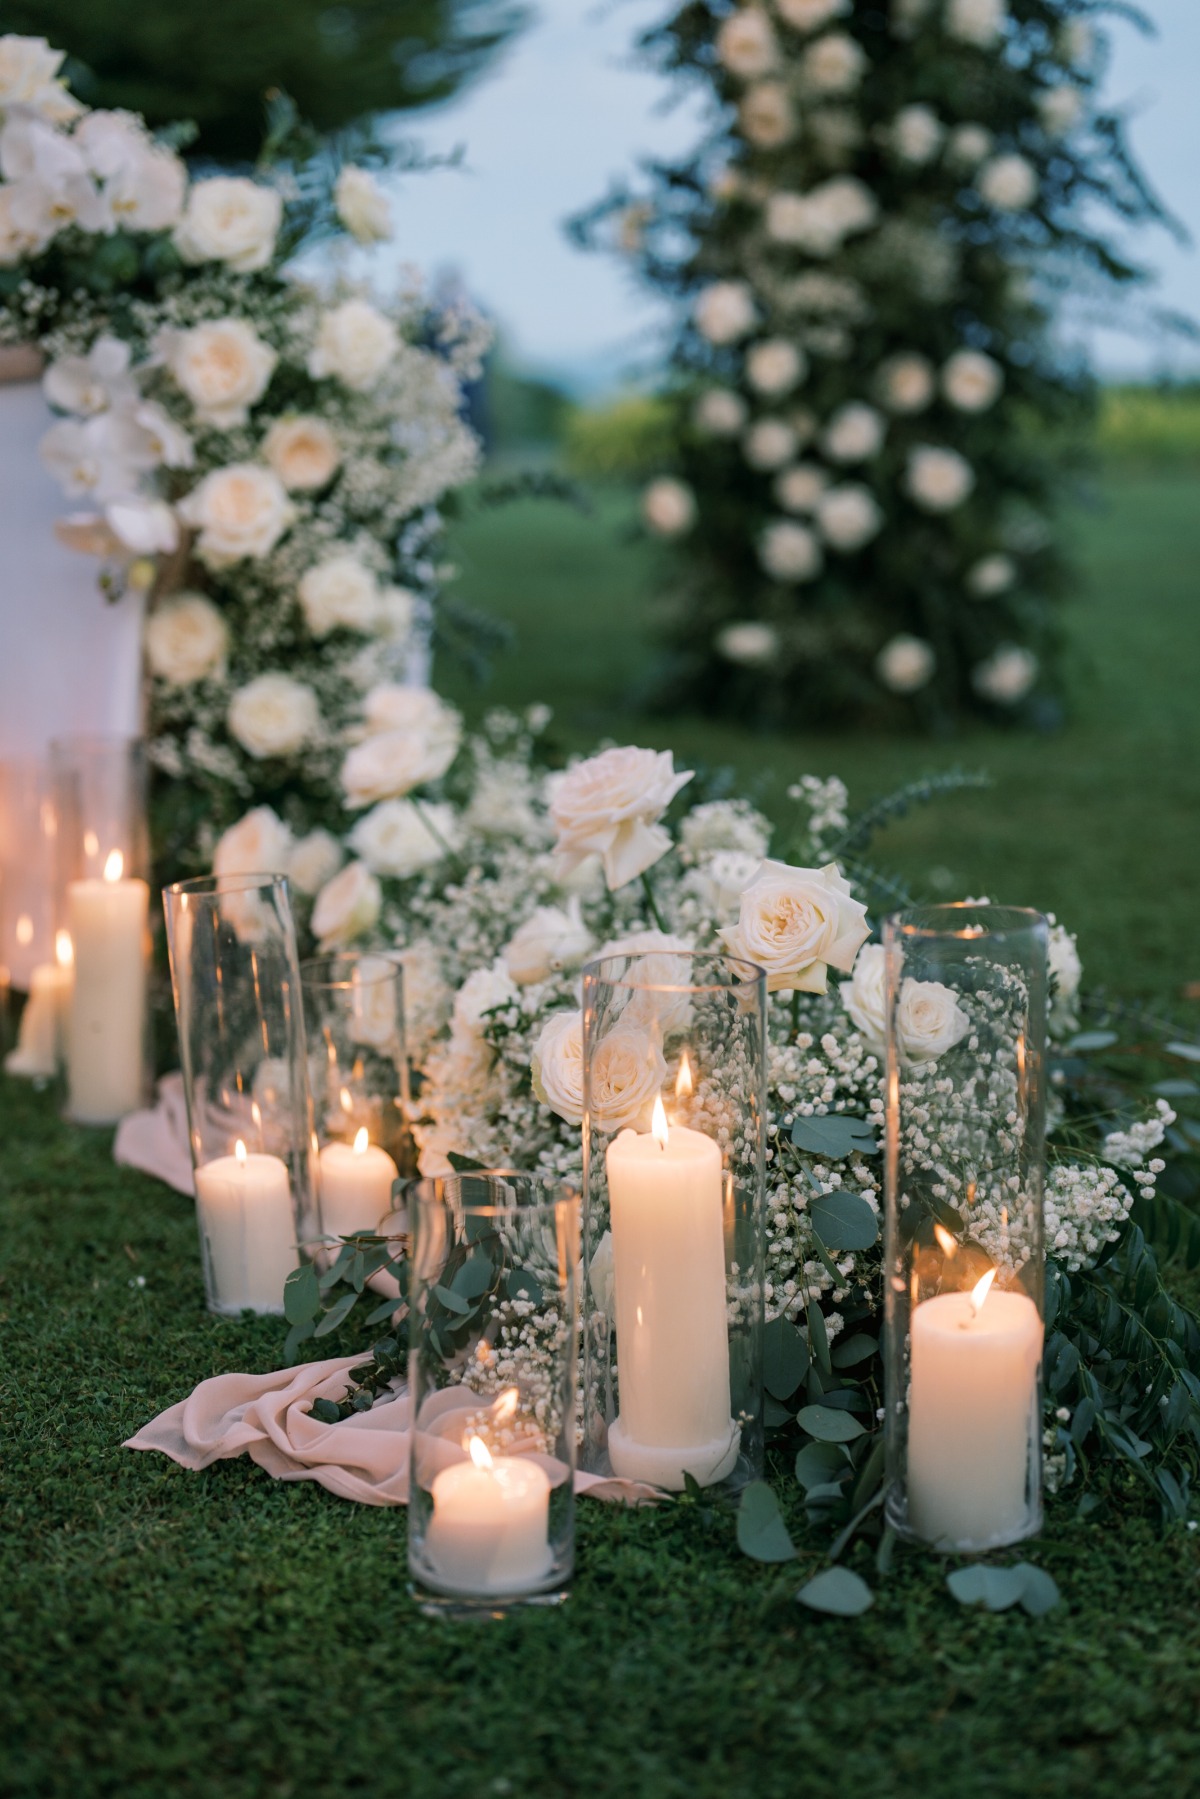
[395,969]
[922,922]
[200,886]
[752,976]
[566,1192]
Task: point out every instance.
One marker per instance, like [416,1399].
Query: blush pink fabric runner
[364,1458]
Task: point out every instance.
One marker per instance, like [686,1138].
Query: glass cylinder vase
[100,788]
[492,1377]
[964,1258]
[674,1111]
[236,981]
[354,1024]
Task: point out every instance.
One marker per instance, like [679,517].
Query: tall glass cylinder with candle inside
[673,1047]
[36,955]
[236,981]
[493,1350]
[964,1258]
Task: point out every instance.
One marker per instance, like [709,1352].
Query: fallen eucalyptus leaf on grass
[761,1531]
[997,1589]
[837,1591]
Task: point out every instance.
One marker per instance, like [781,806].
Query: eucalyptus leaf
[325,1411]
[301,1295]
[523,1285]
[849,1351]
[1177,1089]
[837,1591]
[835,1135]
[995,1589]
[1088,1040]
[817,1463]
[475,1277]
[1189,1051]
[761,1531]
[775,1414]
[334,1316]
[453,1302]
[1041,1592]
[828,1425]
[785,1358]
[843,1220]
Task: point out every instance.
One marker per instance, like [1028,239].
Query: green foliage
[1158,426]
[627,439]
[761,1531]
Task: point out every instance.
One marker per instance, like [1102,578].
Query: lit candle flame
[91,844]
[948,1246]
[658,1124]
[24,929]
[345,1101]
[478,1451]
[360,1142]
[506,1406]
[684,1083]
[981,1289]
[239,1150]
[114,868]
[64,950]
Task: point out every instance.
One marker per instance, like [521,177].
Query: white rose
[725,825]
[916,135]
[1008,183]
[484,991]
[774,366]
[766,115]
[972,381]
[854,433]
[610,805]
[810,15]
[347,906]
[976,21]
[362,206]
[303,452]
[719,412]
[185,639]
[398,838]
[355,343]
[929,1021]
[864,996]
[797,923]
[769,444]
[822,219]
[232,220]
[1066,972]
[669,507]
[391,706]
[557,1065]
[1006,676]
[29,78]
[338,592]
[905,664]
[746,43]
[274,716]
[87,385]
[240,511]
[968,145]
[260,843]
[223,367]
[991,575]
[849,517]
[789,552]
[905,383]
[721,880]
[1060,109]
[314,860]
[748,642]
[834,64]
[626,1076]
[938,479]
[799,488]
[724,311]
[391,763]
[552,938]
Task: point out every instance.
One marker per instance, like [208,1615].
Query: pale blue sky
[567,109]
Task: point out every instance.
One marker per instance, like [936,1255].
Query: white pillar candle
[107,921]
[41,1039]
[244,1209]
[356,1186]
[489,1532]
[972,1416]
[665,1190]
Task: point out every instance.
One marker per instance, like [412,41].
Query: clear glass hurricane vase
[964,1254]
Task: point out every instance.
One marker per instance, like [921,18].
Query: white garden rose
[977,22]
[355,343]
[848,517]
[314,860]
[223,367]
[797,923]
[864,996]
[766,115]
[991,575]
[627,1075]
[769,444]
[720,412]
[724,311]
[260,843]
[390,764]
[238,512]
[231,220]
[799,488]
[854,433]
[668,507]
[929,1021]
[822,219]
[968,145]
[905,664]
[485,990]
[303,452]
[789,552]
[552,938]
[29,79]
[938,479]
[834,64]
[398,838]
[1009,183]
[362,206]
[391,706]
[749,642]
[347,907]
[1060,109]
[810,15]
[725,825]
[1066,972]
[1007,675]
[774,367]
[746,44]
[916,135]
[557,1065]
[610,805]
[185,639]
[972,381]
[339,592]
[273,715]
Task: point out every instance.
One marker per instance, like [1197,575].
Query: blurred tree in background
[213,62]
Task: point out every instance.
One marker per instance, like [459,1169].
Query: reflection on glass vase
[964,1255]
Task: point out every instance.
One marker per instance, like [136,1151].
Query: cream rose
[223,367]
[789,552]
[905,383]
[916,135]
[627,1073]
[968,145]
[849,517]
[725,311]
[854,433]
[977,22]
[929,1021]
[864,996]
[746,43]
[347,906]
[749,642]
[810,15]
[338,592]
[668,507]
[834,64]
[719,413]
[797,923]
[905,664]
[766,115]
[362,206]
[398,838]
[799,488]
[938,479]
[1007,675]
[232,220]
[769,444]
[391,706]
[273,716]
[557,1065]
[185,639]
[991,575]
[238,512]
[260,843]
[972,381]
[355,343]
[314,860]
[552,938]
[610,805]
[391,762]
[774,367]
[303,452]
[1008,183]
